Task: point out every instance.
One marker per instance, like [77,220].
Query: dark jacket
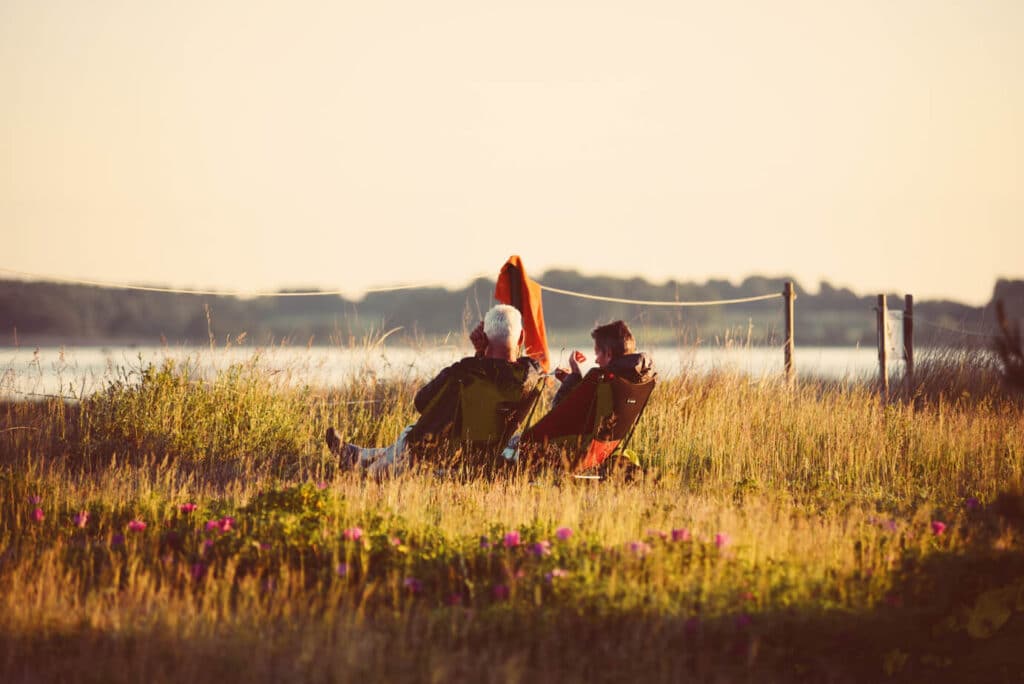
[524,373]
[638,367]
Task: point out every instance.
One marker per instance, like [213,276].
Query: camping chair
[473,419]
[589,425]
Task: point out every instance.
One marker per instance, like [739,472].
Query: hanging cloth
[516,289]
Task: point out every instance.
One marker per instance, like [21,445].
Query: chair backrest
[595,419]
[473,414]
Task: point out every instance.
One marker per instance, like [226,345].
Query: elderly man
[497,341]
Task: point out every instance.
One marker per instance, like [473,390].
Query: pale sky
[878,144]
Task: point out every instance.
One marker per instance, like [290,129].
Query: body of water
[80,371]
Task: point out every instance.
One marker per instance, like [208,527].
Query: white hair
[503,324]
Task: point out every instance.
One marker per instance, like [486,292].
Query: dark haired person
[615,351]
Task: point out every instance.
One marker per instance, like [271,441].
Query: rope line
[643,302]
[954,330]
[215,293]
[342,293]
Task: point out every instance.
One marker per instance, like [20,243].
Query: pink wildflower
[511,539]
[212,525]
[35,500]
[542,548]
[500,592]
[187,507]
[207,545]
[972,503]
[321,485]
[413,585]
[563,533]
[640,548]
[395,541]
[136,526]
[938,527]
[557,573]
[680,534]
[352,534]
[227,524]
[38,515]
[81,518]
[722,540]
[657,534]
[341,570]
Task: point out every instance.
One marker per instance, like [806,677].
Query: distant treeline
[36,313]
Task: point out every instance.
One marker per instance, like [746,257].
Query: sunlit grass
[771,531]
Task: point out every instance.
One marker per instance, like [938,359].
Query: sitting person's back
[614,351]
[497,341]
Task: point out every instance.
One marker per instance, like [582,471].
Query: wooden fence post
[908,334]
[789,293]
[883,345]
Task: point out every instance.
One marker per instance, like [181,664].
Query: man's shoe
[348,454]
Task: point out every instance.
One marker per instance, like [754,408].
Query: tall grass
[811,533]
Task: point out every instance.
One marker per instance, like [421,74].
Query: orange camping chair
[589,425]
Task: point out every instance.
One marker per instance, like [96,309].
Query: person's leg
[392,460]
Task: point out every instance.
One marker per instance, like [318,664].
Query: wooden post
[908,334]
[789,293]
[883,345]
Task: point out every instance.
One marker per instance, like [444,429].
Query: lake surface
[80,371]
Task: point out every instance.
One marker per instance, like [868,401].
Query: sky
[247,145]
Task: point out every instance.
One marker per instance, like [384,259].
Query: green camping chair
[588,426]
[470,420]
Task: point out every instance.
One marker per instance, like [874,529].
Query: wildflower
[511,539]
[972,503]
[413,585]
[81,518]
[657,534]
[35,500]
[500,592]
[563,533]
[891,525]
[38,515]
[395,541]
[136,526]
[198,571]
[341,570]
[352,534]
[212,525]
[542,548]
[557,573]
[680,534]
[640,548]
[938,527]
[187,507]
[321,485]
[226,524]
[117,540]
[722,540]
[485,543]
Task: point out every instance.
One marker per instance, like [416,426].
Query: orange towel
[516,289]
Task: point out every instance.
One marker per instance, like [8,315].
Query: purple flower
[511,539]
[722,540]
[38,515]
[413,585]
[187,507]
[81,518]
[212,525]
[136,526]
[563,533]
[352,534]
[117,540]
[226,524]
[972,503]
[198,571]
[938,527]
[680,534]
[341,570]
[500,592]
[541,548]
[640,548]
